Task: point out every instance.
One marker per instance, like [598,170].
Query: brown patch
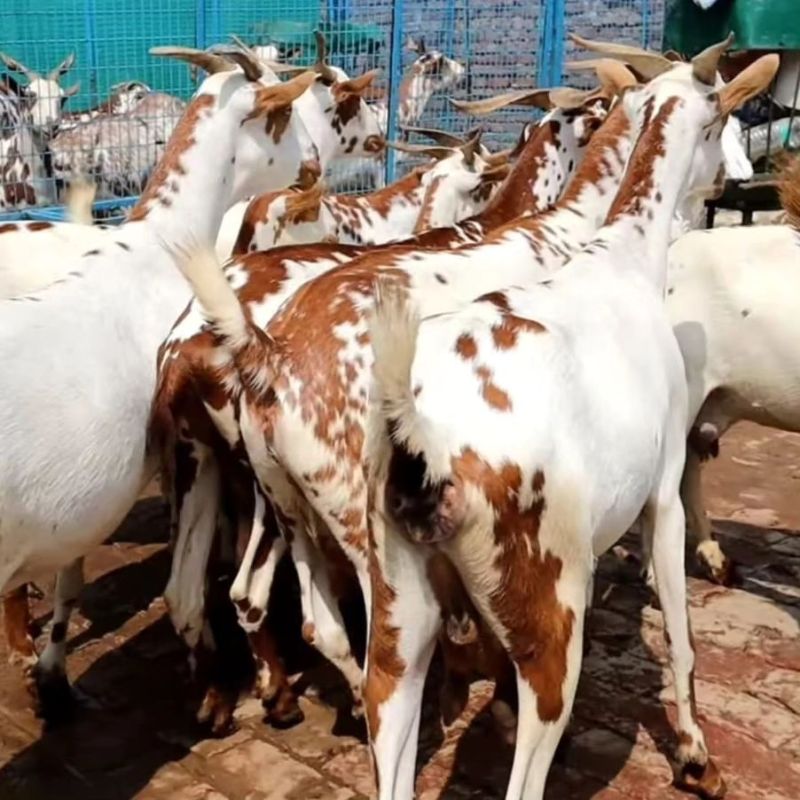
[638,185]
[17,622]
[525,601]
[308,632]
[789,191]
[386,665]
[506,334]
[257,212]
[277,121]
[466,346]
[494,396]
[39,226]
[8,227]
[426,212]
[497,299]
[182,140]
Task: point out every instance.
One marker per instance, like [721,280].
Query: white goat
[524,434]
[78,358]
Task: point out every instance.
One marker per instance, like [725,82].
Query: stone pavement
[135,736]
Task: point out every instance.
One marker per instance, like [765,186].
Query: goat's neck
[318,124]
[585,204]
[637,231]
[190,189]
[415,92]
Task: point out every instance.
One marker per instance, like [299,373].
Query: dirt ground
[135,737]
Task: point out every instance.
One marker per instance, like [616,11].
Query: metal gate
[501,44]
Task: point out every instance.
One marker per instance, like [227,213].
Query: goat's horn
[704,65]
[646,66]
[322,67]
[498,158]
[210,62]
[62,68]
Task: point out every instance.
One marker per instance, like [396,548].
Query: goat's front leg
[664,516]
[404,624]
[54,694]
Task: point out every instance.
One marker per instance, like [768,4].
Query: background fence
[502,44]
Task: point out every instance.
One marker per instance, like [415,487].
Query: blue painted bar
[91,45]
[395,78]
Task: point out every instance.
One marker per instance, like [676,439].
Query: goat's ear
[210,62]
[540,98]
[748,83]
[614,77]
[704,65]
[356,85]
[72,90]
[271,98]
[62,68]
[14,65]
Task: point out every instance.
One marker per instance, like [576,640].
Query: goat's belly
[43,529]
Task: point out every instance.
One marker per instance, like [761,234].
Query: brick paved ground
[135,737]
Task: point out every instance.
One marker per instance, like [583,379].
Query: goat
[123,98]
[184,428]
[117,151]
[572,419]
[318,403]
[431,72]
[330,112]
[458,186]
[78,356]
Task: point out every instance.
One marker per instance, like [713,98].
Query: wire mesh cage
[81,97]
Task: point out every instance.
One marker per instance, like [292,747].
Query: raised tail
[248,346]
[79,199]
[404,449]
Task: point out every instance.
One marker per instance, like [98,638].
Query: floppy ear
[210,62]
[271,98]
[540,98]
[748,83]
[356,85]
[614,77]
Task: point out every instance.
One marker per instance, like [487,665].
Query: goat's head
[434,66]
[43,97]
[705,102]
[272,147]
[127,95]
[350,127]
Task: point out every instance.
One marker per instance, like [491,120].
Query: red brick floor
[135,738]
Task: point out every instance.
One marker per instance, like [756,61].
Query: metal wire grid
[502,44]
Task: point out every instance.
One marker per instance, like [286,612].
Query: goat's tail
[244,342]
[79,199]
[789,191]
[403,447]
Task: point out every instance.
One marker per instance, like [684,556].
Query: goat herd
[461,422]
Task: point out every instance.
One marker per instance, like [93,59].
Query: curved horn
[62,68]
[498,158]
[611,48]
[16,66]
[321,66]
[251,64]
[540,98]
[704,65]
[210,62]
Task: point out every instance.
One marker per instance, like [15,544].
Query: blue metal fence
[502,44]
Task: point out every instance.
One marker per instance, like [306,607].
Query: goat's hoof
[704,780]
[717,567]
[53,697]
[216,712]
[284,712]
[461,630]
[453,699]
